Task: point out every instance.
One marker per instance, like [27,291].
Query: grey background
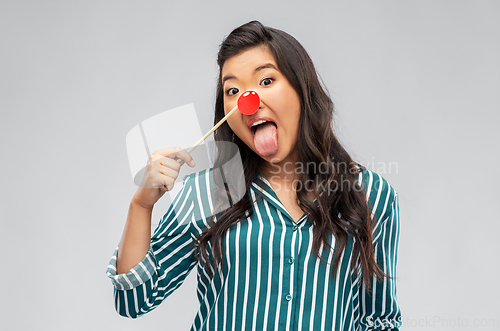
[414,82]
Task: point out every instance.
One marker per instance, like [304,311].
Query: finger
[168,171]
[164,173]
[179,153]
[186,157]
[162,181]
[164,178]
[166,151]
[170,163]
[168,182]
[159,154]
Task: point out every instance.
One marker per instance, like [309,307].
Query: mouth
[255,123]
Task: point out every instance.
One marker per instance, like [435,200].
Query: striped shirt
[271,280]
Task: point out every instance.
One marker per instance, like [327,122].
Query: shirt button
[288,297]
[290,260]
[295,228]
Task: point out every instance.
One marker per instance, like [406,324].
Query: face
[256,70]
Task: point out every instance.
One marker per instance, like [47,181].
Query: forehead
[248,60]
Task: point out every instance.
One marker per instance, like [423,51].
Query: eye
[266,81]
[232,91]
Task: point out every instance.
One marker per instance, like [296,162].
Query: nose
[261,105]
[249,102]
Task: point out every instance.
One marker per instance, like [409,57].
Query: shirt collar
[262,187]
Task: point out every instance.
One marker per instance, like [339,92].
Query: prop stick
[248,103]
[213,129]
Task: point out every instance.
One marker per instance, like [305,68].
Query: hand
[161,172]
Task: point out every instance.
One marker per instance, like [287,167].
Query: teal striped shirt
[271,279]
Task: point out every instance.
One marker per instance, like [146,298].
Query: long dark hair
[316,144]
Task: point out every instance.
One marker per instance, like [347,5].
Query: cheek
[288,104]
[236,124]
[293,126]
[290,113]
[231,122]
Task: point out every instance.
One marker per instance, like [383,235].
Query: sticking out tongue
[266,139]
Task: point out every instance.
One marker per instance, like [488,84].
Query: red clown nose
[248,102]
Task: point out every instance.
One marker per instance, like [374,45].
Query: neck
[282,175]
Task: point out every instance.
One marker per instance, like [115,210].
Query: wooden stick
[213,129]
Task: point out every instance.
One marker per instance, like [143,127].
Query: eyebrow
[264,66]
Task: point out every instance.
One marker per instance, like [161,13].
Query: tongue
[266,139]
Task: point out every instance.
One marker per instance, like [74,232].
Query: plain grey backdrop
[416,87]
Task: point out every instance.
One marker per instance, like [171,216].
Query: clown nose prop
[248,103]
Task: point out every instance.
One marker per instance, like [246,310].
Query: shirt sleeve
[379,306]
[168,261]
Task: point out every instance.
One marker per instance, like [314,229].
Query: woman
[312,245]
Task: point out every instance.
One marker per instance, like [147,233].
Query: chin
[273,158]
